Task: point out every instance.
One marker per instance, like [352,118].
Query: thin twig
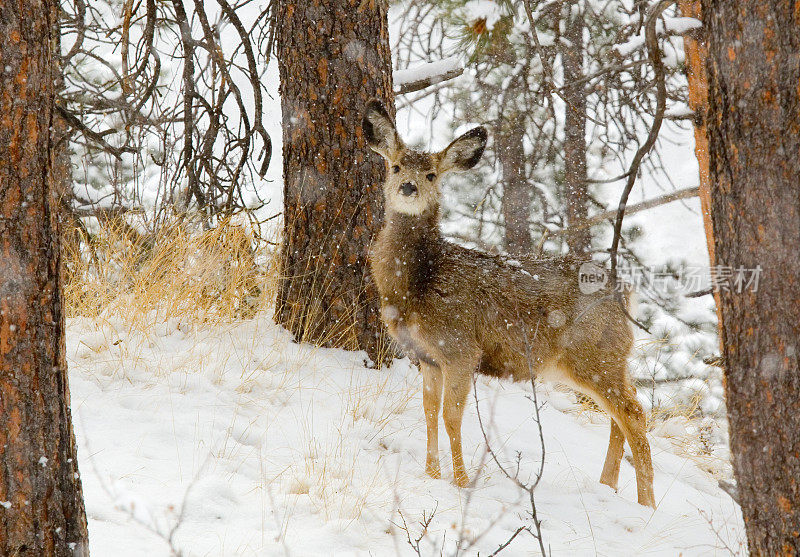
[670,197]
[654,53]
[528,487]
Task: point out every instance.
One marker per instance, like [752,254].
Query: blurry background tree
[576,95]
[40,487]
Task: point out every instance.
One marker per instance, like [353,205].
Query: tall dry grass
[114,269]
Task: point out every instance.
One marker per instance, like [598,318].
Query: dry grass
[215,275]
[114,269]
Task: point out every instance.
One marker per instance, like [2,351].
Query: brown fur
[459,311]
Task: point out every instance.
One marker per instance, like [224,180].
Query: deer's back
[520,315]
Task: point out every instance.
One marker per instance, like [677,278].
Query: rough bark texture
[42,504]
[575,184]
[333,56]
[754,142]
[516,191]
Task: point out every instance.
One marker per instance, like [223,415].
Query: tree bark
[40,491]
[754,141]
[696,51]
[575,184]
[333,56]
[516,202]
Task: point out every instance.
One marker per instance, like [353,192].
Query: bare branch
[94,136]
[424,83]
[670,197]
[187,44]
[80,26]
[661,104]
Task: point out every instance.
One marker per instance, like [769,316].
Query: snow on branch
[681,25]
[423,76]
[669,26]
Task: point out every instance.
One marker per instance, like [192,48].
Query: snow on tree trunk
[333,56]
[754,141]
[41,501]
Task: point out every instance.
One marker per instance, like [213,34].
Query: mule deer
[459,310]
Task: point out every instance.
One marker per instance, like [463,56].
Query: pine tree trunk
[575,184]
[696,51]
[754,142]
[40,489]
[516,203]
[333,56]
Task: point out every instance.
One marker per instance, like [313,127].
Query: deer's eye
[431,177]
[395,169]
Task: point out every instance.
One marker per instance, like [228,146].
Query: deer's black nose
[408,188]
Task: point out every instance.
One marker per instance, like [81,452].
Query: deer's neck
[407,254]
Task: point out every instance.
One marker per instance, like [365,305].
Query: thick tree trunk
[516,203]
[40,490]
[575,184]
[333,56]
[754,167]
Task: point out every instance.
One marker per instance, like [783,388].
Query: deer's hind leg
[612,391]
[628,414]
[432,402]
[616,446]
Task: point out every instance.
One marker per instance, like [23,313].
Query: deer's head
[413,177]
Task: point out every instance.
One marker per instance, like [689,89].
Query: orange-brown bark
[333,56]
[42,505]
[753,130]
[696,52]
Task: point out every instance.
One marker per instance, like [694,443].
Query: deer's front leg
[432,402]
[456,389]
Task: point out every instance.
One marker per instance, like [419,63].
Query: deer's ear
[379,130]
[464,152]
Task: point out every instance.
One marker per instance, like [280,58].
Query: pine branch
[440,71]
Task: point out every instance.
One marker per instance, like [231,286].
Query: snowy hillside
[235,441]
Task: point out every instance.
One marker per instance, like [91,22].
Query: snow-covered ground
[240,442]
